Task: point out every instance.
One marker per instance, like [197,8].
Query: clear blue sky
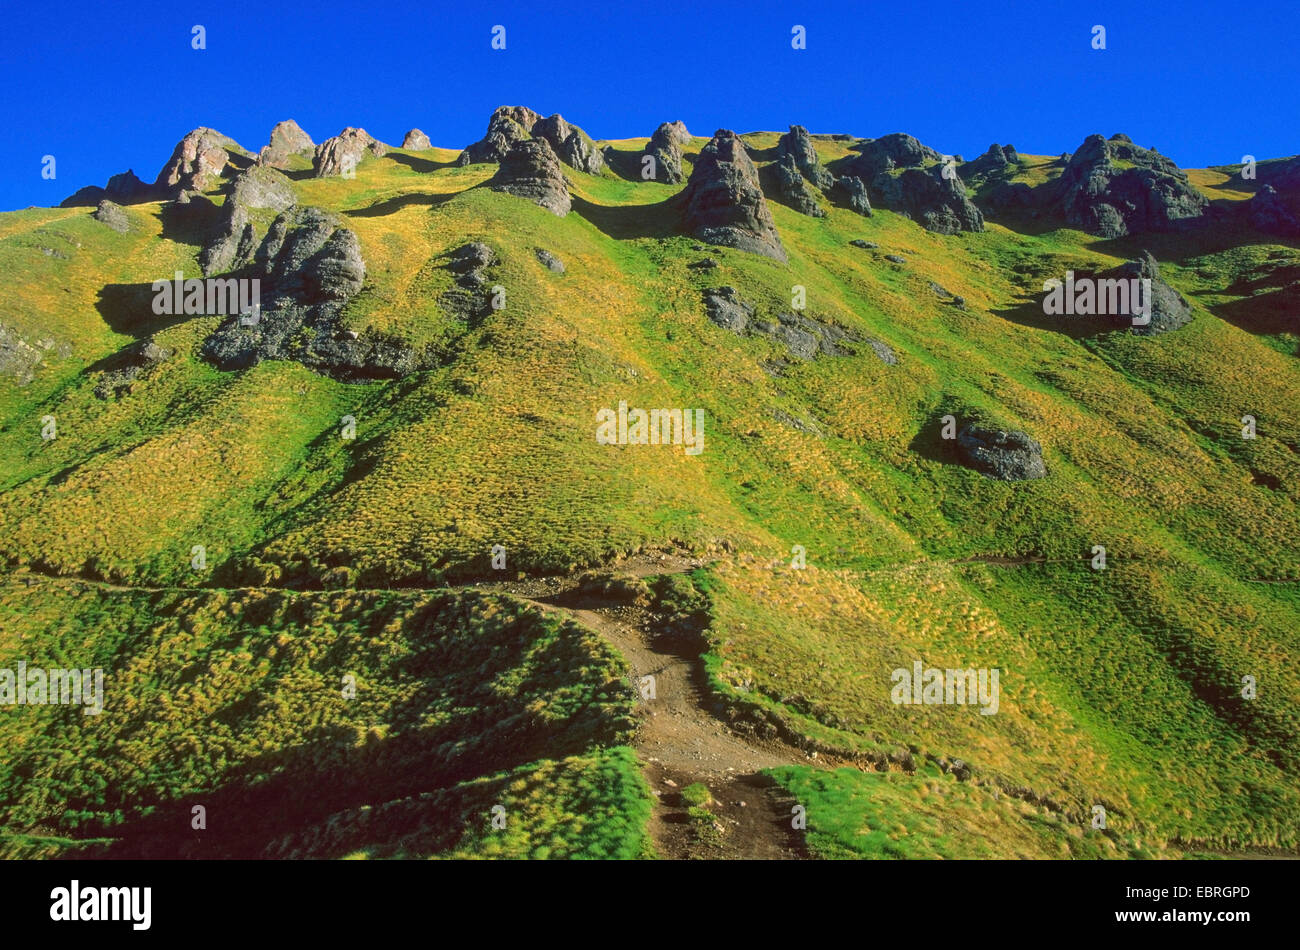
[104,87]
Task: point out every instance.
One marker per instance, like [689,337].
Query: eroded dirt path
[681,738]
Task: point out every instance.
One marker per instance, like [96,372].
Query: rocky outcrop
[549,260]
[113,215]
[234,240]
[788,186]
[196,163]
[905,176]
[262,187]
[798,145]
[128,366]
[1006,456]
[512,125]
[123,188]
[1110,300]
[416,141]
[507,126]
[309,266]
[570,144]
[531,170]
[723,202]
[665,147]
[342,154]
[896,150]
[1112,188]
[803,336]
[996,159]
[1271,213]
[937,203]
[1169,309]
[287,139]
[851,191]
[469,300]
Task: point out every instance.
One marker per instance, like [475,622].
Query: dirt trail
[680,739]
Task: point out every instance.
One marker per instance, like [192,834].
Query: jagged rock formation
[287,139]
[723,202]
[511,125]
[896,150]
[342,154]
[920,190]
[997,158]
[234,242]
[1006,456]
[937,203]
[310,266]
[531,170]
[798,175]
[570,144]
[665,147]
[123,188]
[788,186]
[1147,193]
[851,191]
[113,215]
[196,163]
[416,141]
[507,126]
[798,146]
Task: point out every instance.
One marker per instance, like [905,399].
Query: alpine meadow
[714,494]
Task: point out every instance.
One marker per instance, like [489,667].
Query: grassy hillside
[1119,687]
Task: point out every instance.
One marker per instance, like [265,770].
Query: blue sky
[104,87]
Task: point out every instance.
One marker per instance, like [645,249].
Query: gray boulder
[549,260]
[788,186]
[1148,192]
[507,126]
[260,186]
[531,170]
[937,203]
[723,202]
[798,145]
[570,144]
[1169,309]
[851,192]
[665,146]
[1005,455]
[113,215]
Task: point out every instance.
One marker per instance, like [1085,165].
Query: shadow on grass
[416,164]
[626,222]
[398,202]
